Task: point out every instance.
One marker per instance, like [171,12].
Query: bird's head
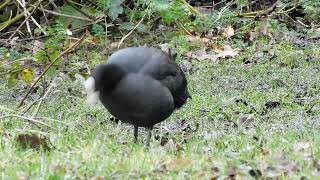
[103,80]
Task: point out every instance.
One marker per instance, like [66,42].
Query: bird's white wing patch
[92,95]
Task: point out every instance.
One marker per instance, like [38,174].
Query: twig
[191,8]
[34,121]
[49,119]
[48,67]
[43,97]
[64,15]
[127,35]
[27,13]
[24,21]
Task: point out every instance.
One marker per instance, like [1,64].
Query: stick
[24,21]
[127,35]
[36,122]
[64,15]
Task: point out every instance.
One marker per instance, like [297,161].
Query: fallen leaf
[98,178]
[178,164]
[37,46]
[264,28]
[228,32]
[227,52]
[197,39]
[232,173]
[252,36]
[23,178]
[27,75]
[33,141]
[160,166]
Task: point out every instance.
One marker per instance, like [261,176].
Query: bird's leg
[135,134]
[149,129]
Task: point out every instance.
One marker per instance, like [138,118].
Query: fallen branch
[48,67]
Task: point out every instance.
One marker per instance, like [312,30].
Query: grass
[233,133]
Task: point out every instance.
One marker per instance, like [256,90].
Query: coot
[139,85]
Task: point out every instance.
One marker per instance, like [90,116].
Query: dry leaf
[33,141]
[228,32]
[178,164]
[98,178]
[197,39]
[252,36]
[227,52]
[37,46]
[264,29]
[202,54]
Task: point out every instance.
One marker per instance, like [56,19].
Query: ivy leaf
[13,80]
[27,75]
[115,8]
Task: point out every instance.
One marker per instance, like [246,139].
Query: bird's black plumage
[141,86]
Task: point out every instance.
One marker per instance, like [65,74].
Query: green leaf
[127,26]
[13,80]
[142,28]
[40,56]
[69,10]
[27,75]
[54,55]
[115,8]
[52,71]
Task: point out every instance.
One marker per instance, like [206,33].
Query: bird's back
[156,64]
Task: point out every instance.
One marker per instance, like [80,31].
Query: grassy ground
[250,117]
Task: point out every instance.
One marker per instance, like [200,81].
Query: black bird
[139,85]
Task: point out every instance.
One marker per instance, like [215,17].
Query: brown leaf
[252,36]
[264,29]
[33,141]
[37,46]
[197,39]
[202,54]
[23,178]
[227,52]
[228,32]
[232,173]
[178,164]
[98,178]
